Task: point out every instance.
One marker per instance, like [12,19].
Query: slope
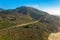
[36,31]
[26,23]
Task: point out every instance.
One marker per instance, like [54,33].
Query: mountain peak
[21,7]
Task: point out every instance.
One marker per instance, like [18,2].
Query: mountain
[27,23]
[38,14]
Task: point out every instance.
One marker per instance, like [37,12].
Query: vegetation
[37,31]
[22,15]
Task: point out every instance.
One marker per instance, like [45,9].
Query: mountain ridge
[36,24]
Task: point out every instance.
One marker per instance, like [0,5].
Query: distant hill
[37,25]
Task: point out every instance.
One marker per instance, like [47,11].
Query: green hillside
[26,23]
[36,31]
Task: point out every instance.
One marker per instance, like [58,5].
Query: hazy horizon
[50,6]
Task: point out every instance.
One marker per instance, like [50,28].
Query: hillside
[36,31]
[26,23]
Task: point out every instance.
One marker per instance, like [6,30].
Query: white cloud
[53,11]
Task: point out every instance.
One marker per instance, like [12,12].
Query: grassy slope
[37,31]
[10,20]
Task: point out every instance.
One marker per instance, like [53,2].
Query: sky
[50,6]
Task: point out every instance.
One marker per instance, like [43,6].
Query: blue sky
[45,5]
